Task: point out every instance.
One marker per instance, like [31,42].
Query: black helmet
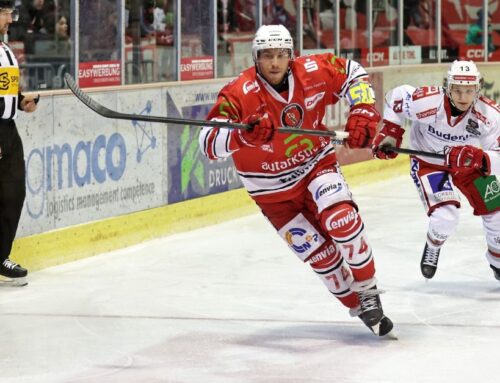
[7,4]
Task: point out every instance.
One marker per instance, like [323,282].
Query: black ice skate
[496,272]
[370,309]
[13,273]
[428,264]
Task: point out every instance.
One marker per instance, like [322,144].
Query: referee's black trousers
[12,185]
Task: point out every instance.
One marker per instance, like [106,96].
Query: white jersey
[433,128]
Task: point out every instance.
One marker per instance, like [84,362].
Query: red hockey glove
[362,125]
[466,157]
[391,134]
[261,132]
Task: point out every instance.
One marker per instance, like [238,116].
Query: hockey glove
[467,157]
[261,131]
[362,125]
[391,134]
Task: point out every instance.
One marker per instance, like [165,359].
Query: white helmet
[463,73]
[271,36]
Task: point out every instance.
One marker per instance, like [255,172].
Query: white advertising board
[81,167]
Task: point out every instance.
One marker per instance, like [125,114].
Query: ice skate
[12,274]
[430,257]
[370,308]
[496,272]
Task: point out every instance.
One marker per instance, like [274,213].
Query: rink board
[52,248]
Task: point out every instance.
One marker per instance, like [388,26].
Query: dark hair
[6,3]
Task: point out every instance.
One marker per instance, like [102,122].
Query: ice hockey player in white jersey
[459,122]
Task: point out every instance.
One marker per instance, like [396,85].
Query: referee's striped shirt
[9,83]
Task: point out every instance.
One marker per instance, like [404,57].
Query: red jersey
[278,170]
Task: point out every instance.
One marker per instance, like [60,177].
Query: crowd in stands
[43,32]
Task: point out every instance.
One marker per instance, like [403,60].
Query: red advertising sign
[380,56]
[197,68]
[99,73]
[476,53]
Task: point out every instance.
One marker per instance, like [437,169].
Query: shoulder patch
[424,92]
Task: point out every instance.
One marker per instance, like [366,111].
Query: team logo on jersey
[292,116]
[250,86]
[473,127]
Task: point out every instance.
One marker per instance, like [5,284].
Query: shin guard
[331,268]
[346,228]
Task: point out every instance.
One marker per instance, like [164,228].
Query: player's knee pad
[328,264]
[347,229]
[442,223]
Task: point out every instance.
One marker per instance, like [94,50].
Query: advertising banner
[380,56]
[84,167]
[99,73]
[191,174]
[476,53]
[197,68]
[408,55]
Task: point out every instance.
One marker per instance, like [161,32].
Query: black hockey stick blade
[388,149]
[108,113]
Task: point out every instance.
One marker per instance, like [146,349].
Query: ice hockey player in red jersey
[295,179]
[455,120]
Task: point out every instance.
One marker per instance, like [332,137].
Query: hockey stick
[388,149]
[108,113]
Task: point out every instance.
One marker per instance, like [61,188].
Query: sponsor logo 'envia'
[343,221]
[323,254]
[328,188]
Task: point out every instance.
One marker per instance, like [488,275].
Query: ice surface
[230,303]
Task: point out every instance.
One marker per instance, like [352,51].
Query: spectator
[475,32]
[415,12]
[226,16]
[62,36]
[34,24]
[276,13]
